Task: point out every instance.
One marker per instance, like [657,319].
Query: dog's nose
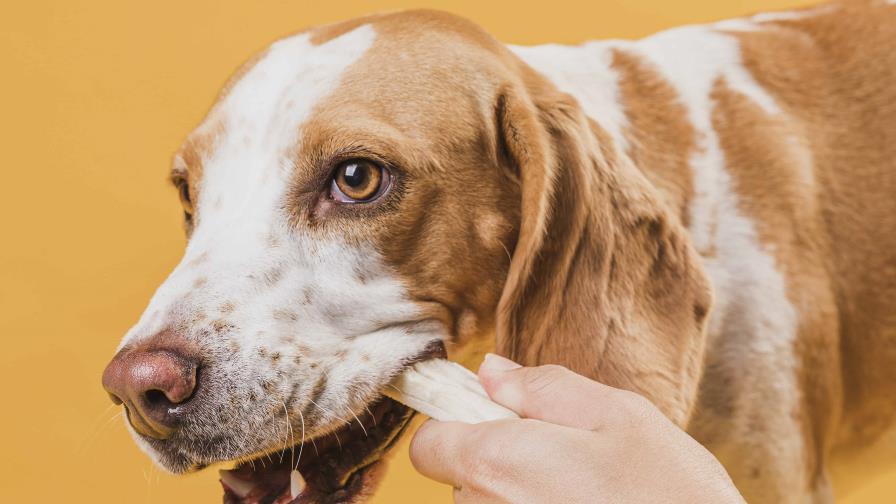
[152,384]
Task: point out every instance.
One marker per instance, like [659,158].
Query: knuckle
[542,378]
[537,383]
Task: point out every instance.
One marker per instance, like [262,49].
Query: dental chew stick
[446,391]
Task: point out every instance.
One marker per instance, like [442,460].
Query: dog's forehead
[245,147]
[287,80]
[409,69]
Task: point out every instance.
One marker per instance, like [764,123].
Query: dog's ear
[603,279]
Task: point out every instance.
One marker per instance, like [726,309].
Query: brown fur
[656,117]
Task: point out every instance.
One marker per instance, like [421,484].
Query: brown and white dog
[706,216]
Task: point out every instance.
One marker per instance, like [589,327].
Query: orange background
[96,95]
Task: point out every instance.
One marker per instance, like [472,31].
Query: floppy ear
[603,279]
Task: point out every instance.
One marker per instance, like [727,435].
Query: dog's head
[363,196]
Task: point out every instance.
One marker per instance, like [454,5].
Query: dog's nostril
[157,399]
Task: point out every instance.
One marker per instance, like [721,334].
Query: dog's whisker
[372,418]
[302,444]
[328,412]
[292,435]
[360,423]
[338,441]
[99,418]
[289,436]
[157,472]
[99,427]
[150,471]
[110,420]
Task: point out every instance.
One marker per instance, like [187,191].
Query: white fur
[760,21]
[770,17]
[585,72]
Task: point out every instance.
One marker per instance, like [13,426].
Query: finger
[436,450]
[557,395]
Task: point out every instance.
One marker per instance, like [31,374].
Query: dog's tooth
[240,487]
[296,484]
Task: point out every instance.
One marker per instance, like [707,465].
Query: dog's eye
[183,191]
[359,181]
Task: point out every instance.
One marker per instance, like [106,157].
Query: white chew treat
[446,391]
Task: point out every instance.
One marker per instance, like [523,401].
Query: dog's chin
[343,466]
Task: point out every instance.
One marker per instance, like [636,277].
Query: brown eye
[183,191]
[358,181]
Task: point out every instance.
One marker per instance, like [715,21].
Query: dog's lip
[333,467]
[327,476]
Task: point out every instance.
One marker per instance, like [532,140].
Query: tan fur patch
[198,147]
[660,136]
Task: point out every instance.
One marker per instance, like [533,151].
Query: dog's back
[774,140]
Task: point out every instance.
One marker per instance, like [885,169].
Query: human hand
[578,441]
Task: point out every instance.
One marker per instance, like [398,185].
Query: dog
[705,217]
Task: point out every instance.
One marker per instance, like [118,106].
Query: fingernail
[495,362]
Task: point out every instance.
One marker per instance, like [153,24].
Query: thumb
[554,394]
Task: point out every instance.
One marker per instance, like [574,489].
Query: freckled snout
[152,384]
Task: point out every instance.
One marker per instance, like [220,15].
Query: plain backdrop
[95,96]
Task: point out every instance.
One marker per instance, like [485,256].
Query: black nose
[151,384]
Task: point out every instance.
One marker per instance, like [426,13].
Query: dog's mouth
[343,466]
[339,467]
